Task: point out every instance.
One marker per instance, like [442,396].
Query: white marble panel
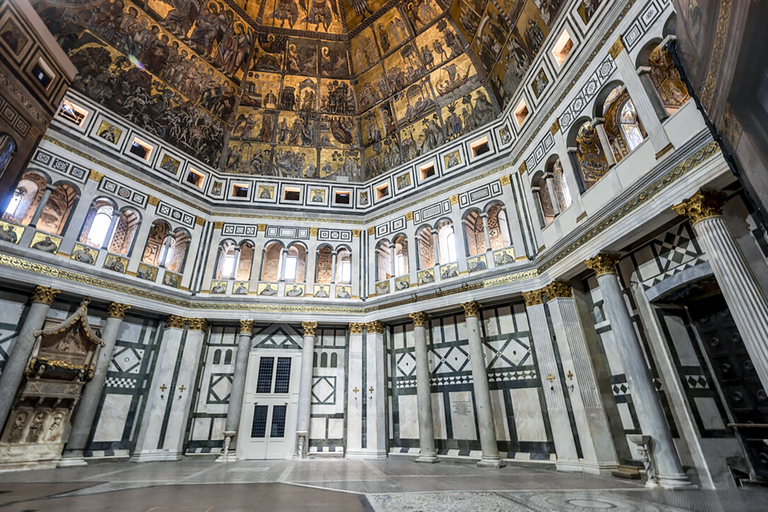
[112,419]
[446,333]
[499,415]
[438,417]
[200,428]
[462,325]
[710,415]
[218,428]
[463,415]
[626,417]
[335,428]
[409,416]
[130,330]
[506,322]
[682,340]
[409,341]
[529,421]
[317,428]
[521,318]
[611,353]
[398,337]
[490,325]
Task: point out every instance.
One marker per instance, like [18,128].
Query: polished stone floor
[388,485]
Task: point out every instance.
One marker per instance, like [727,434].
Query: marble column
[423,393]
[486,231]
[605,144]
[745,298]
[22,349]
[89,400]
[375,387]
[598,451]
[436,249]
[565,444]
[237,391]
[355,391]
[41,206]
[305,386]
[670,474]
[483,408]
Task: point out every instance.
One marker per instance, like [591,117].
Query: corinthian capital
[374,326]
[45,295]
[309,328]
[117,310]
[356,328]
[702,205]
[533,298]
[471,308]
[603,263]
[419,319]
[558,289]
[246,326]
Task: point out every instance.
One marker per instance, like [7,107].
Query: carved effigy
[62,361]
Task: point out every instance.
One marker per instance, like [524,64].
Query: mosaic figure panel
[312,15]
[464,115]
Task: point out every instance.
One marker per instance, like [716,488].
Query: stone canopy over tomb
[315,89]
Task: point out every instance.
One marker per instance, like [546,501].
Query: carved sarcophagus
[61,362]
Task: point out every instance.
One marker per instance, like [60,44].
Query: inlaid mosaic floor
[395,484]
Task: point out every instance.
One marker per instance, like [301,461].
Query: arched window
[227,260]
[343,266]
[540,189]
[57,209]
[590,156]
[334,360]
[174,250]
[622,126]
[324,360]
[560,185]
[154,247]
[97,223]
[401,255]
[474,233]
[7,151]
[324,263]
[314,360]
[295,263]
[270,267]
[383,261]
[228,357]
[125,230]
[217,357]
[498,227]
[447,242]
[426,248]
[244,261]
[667,81]
[26,198]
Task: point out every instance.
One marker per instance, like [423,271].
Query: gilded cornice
[702,205]
[246,326]
[603,264]
[175,322]
[419,319]
[95,176]
[197,324]
[45,295]
[356,327]
[471,308]
[533,298]
[309,328]
[375,327]
[558,289]
[117,310]
[718,48]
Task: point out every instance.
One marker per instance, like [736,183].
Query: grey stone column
[650,414]
[375,382]
[237,391]
[89,400]
[17,362]
[423,392]
[436,248]
[746,300]
[484,217]
[485,423]
[355,392]
[305,386]
[40,206]
[565,445]
[589,414]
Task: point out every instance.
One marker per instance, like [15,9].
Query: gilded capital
[198,324]
[313,231]
[617,48]
[603,263]
[45,295]
[702,205]
[246,326]
[419,319]
[558,289]
[471,308]
[175,321]
[309,328]
[356,328]
[533,298]
[374,326]
[118,310]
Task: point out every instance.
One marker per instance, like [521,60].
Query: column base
[365,454]
[491,463]
[230,457]
[427,459]
[680,481]
[569,466]
[68,461]
[156,456]
[599,468]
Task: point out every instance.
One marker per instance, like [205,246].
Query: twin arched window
[165,248]
[235,261]
[446,240]
[622,126]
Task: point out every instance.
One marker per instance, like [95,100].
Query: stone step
[627,472]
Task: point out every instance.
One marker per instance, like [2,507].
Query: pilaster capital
[616,48]
[116,310]
[356,327]
[197,324]
[702,205]
[532,298]
[309,328]
[375,326]
[246,326]
[175,322]
[603,263]
[45,295]
[557,289]
[419,318]
[471,308]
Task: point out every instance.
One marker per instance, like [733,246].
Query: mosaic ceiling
[319,89]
